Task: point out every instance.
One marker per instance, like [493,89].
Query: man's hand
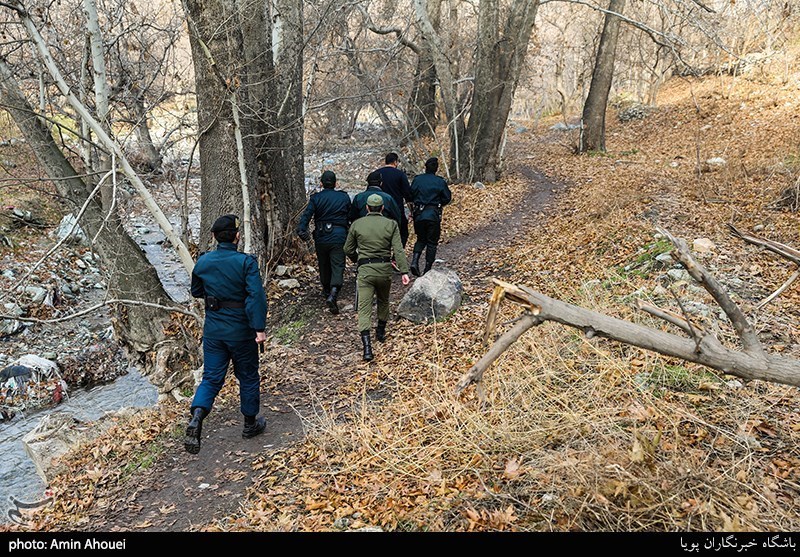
[261,337]
[304,235]
[405,278]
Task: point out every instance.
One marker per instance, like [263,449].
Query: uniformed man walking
[371,241]
[330,209]
[359,208]
[429,193]
[395,182]
[236,312]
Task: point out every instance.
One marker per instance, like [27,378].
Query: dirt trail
[182,492]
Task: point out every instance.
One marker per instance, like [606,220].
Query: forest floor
[577,433]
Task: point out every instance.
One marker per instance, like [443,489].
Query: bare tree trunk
[256,55]
[281,164]
[421,108]
[447,86]
[212,29]
[152,157]
[98,62]
[498,66]
[593,121]
[142,329]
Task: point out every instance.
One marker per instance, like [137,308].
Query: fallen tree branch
[703,348]
[95,307]
[783,250]
[787,252]
[475,373]
[780,290]
[699,273]
[668,316]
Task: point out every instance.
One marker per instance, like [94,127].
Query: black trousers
[330,258]
[404,227]
[428,233]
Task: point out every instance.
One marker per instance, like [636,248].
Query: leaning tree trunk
[166,359]
[593,121]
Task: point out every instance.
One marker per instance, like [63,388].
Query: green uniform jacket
[376,236]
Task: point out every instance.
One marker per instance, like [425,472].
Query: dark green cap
[374,200]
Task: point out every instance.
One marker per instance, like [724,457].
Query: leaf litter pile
[576,433]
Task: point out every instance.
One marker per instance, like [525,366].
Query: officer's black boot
[430,257]
[380,331]
[368,355]
[326,292]
[253,426]
[194,431]
[415,263]
[331,300]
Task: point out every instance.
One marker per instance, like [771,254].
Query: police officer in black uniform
[236,312]
[330,209]
[395,182]
[429,193]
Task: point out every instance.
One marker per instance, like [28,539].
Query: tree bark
[256,55]
[593,120]
[447,87]
[421,108]
[281,161]
[499,63]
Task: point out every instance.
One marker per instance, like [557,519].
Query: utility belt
[368,260]
[419,207]
[325,227]
[214,304]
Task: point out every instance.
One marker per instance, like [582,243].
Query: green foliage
[679,378]
[295,319]
[146,456]
[644,264]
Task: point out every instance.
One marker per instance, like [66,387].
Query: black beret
[374,178]
[328,177]
[226,222]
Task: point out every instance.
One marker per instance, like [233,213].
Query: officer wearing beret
[359,208]
[371,242]
[330,209]
[430,193]
[236,312]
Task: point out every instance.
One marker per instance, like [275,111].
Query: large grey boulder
[434,296]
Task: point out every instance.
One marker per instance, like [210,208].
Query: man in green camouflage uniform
[371,241]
